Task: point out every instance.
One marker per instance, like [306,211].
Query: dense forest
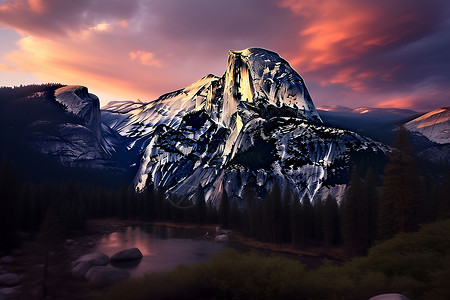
[375,206]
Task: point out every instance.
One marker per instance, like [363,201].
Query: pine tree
[250,199]
[307,218]
[297,224]
[200,205]
[224,209]
[370,195]
[400,203]
[8,199]
[318,209]
[330,222]
[272,214]
[355,217]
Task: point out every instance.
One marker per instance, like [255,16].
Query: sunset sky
[382,53]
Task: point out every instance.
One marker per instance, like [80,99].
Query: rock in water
[9,279]
[7,259]
[80,269]
[222,238]
[94,259]
[106,275]
[128,254]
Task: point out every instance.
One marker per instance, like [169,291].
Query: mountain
[431,131]
[377,123]
[255,125]
[434,125]
[55,132]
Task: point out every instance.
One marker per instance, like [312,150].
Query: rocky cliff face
[254,125]
[434,125]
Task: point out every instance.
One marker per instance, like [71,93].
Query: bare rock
[94,259]
[9,279]
[7,292]
[7,259]
[222,238]
[392,296]
[80,269]
[128,254]
[106,275]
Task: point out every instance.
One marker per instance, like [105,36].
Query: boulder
[9,279]
[7,292]
[128,254]
[392,296]
[7,259]
[106,275]
[94,259]
[222,238]
[80,269]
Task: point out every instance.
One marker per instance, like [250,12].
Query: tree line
[375,207]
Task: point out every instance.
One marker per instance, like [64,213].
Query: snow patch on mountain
[434,125]
[255,125]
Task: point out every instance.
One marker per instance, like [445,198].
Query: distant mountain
[377,123]
[434,125]
[55,131]
[432,131]
[255,125]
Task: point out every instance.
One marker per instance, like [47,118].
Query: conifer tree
[250,199]
[296,224]
[224,209]
[355,218]
[307,218]
[370,195]
[330,222]
[400,203]
[8,200]
[272,213]
[200,205]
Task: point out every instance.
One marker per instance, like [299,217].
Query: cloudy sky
[355,53]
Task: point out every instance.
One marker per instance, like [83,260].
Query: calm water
[165,248]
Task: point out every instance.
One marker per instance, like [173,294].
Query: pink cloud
[146,58]
[349,51]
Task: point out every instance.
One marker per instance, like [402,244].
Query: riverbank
[31,265]
[111,225]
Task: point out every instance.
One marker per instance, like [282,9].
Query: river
[164,248]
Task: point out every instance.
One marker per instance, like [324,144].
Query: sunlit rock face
[434,125]
[74,136]
[255,125]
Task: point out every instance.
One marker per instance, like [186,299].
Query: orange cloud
[146,58]
[123,23]
[396,102]
[5,68]
[37,6]
[86,62]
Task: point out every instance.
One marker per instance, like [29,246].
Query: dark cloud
[353,52]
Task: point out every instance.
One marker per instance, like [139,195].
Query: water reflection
[163,248]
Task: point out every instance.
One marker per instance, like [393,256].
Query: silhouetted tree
[400,203]
[355,217]
[370,196]
[200,205]
[8,200]
[224,209]
[307,218]
[331,222]
[250,199]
